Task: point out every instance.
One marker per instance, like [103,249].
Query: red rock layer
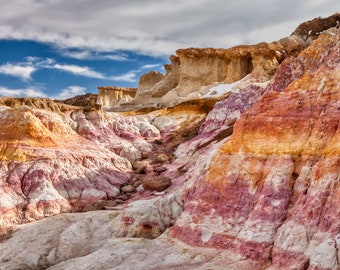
[272,191]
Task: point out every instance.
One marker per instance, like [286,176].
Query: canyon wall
[194,70]
[271,192]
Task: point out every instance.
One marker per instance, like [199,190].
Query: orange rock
[304,118]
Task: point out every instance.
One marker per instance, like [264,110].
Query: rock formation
[110,97]
[271,190]
[87,100]
[193,69]
[245,177]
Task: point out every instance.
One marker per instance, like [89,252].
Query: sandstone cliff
[250,172]
[111,96]
[194,70]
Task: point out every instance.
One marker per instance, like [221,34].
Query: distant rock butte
[87,100]
[110,97]
[231,160]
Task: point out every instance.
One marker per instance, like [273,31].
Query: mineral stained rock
[252,167]
[271,192]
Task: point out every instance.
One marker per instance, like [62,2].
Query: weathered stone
[136,183]
[161,158]
[148,80]
[5,233]
[141,166]
[127,189]
[111,96]
[160,169]
[145,155]
[98,205]
[156,183]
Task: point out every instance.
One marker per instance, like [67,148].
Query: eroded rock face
[171,79]
[146,83]
[271,193]
[254,175]
[154,85]
[311,29]
[52,163]
[110,97]
[193,68]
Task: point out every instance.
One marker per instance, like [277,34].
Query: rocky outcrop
[53,161]
[146,82]
[193,68]
[310,30]
[170,80]
[270,194]
[38,103]
[87,100]
[251,176]
[110,97]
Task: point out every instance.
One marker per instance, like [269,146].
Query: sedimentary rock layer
[271,191]
[253,171]
[110,96]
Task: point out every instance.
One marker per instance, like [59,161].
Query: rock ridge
[193,69]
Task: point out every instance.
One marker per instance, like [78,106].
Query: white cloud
[24,72]
[25,69]
[77,55]
[127,77]
[116,57]
[39,62]
[90,55]
[78,70]
[28,92]
[154,27]
[149,66]
[69,92]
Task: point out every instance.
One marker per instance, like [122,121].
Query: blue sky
[62,48]
[30,68]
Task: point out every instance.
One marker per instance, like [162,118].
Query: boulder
[156,183]
[127,189]
[161,158]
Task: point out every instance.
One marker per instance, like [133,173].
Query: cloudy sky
[62,48]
